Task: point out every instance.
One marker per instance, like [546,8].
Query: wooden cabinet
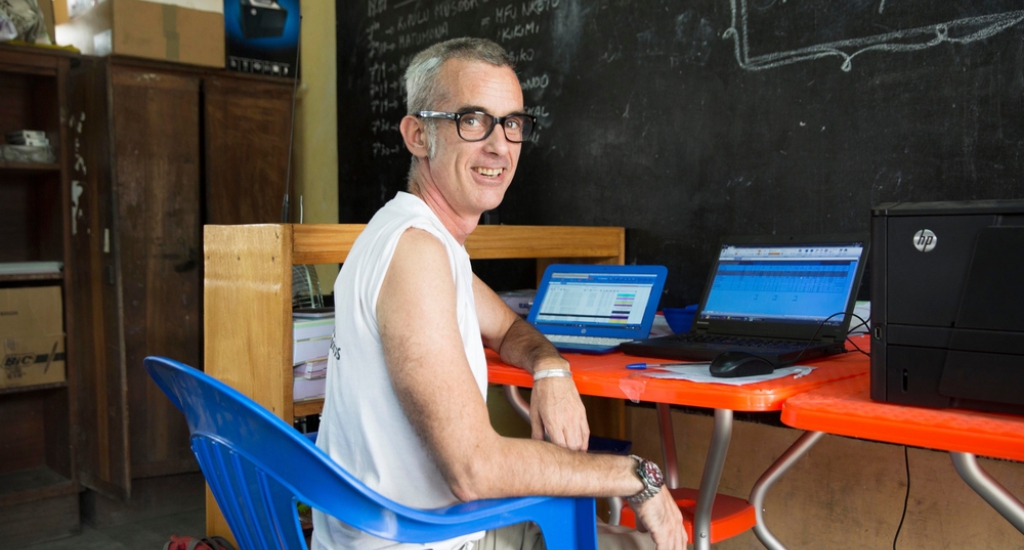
[38,483]
[164,148]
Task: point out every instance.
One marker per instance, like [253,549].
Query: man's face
[472,176]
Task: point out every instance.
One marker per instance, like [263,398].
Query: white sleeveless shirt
[363,426]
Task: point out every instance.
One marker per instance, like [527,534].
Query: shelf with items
[38,479]
[29,277]
[28,167]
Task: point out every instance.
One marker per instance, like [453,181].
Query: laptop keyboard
[587,340]
[738,341]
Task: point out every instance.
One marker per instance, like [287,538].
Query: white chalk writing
[376,7]
[523,54]
[535,7]
[380,106]
[380,126]
[518,31]
[908,39]
[535,82]
[422,38]
[538,111]
[381,150]
[413,19]
[448,8]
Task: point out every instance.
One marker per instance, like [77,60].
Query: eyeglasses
[476,126]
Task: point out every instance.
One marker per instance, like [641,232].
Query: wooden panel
[247,318]
[31,60]
[247,127]
[157,163]
[22,433]
[323,243]
[100,393]
[501,241]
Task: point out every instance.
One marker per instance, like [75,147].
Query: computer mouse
[732,364]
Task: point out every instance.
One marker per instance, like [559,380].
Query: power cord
[863,323]
[285,204]
[906,498]
[810,342]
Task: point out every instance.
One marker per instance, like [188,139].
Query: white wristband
[552,373]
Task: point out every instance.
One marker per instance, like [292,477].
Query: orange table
[845,408]
[607,376]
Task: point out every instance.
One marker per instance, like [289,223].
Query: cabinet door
[248,123]
[156,131]
[94,348]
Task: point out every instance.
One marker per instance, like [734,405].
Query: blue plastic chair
[258,467]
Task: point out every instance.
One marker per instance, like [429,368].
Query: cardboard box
[31,336]
[262,36]
[154,29]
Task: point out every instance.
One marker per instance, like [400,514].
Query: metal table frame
[713,465]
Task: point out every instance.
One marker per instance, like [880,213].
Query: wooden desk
[607,376]
[845,408]
[247,296]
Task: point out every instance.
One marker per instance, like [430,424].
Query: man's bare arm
[555,406]
[416,313]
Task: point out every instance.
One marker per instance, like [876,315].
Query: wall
[686,121]
[316,127]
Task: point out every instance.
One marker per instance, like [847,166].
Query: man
[405,409]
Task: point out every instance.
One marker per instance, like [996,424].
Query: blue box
[262,36]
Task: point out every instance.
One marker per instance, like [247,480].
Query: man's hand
[555,408]
[661,517]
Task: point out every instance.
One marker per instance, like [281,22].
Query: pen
[642,366]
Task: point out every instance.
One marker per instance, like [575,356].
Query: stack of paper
[312,344]
[312,339]
[309,389]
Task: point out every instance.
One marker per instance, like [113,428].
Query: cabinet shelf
[38,476]
[307,407]
[37,387]
[23,277]
[32,484]
[29,167]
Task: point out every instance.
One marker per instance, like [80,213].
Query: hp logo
[925,240]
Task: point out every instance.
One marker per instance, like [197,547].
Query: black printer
[947,304]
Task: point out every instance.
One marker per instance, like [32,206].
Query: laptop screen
[783,283]
[577,299]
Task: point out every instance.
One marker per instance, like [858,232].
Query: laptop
[785,299]
[594,308]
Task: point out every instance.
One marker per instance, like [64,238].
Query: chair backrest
[258,466]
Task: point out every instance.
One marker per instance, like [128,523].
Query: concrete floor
[161,507]
[144,534]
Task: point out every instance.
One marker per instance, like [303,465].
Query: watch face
[653,473]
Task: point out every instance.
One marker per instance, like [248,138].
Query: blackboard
[686,121]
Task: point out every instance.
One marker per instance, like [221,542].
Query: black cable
[810,342]
[906,498]
[285,206]
[863,323]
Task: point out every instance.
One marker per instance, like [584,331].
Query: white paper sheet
[698,372]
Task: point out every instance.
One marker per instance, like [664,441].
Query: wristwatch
[650,475]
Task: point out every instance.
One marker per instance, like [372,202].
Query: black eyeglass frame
[495,121]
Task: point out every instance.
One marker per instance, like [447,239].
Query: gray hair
[423,87]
